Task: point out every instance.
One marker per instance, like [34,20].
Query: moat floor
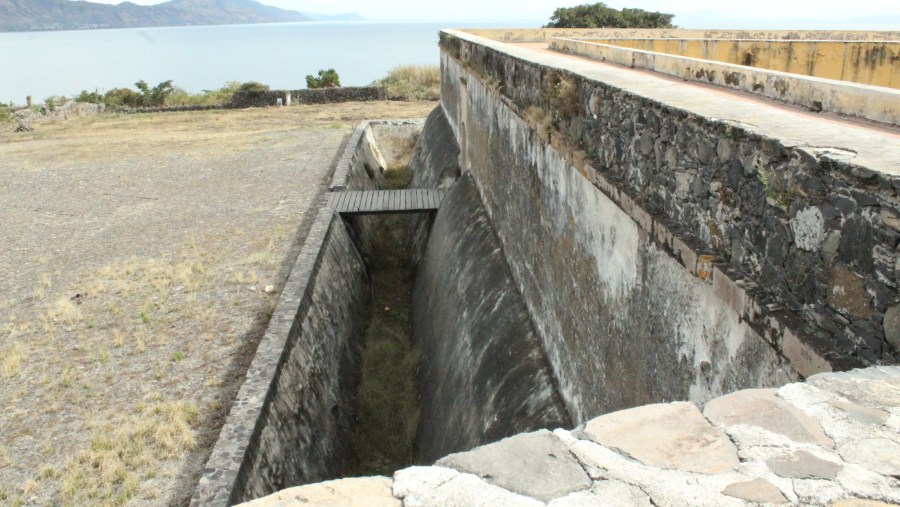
[142,256]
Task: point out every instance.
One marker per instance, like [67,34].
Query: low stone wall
[307,96]
[832,441]
[483,373]
[290,422]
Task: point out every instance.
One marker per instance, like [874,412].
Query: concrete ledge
[852,99]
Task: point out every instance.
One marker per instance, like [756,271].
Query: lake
[43,64]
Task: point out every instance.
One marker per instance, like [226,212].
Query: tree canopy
[327,79]
[599,15]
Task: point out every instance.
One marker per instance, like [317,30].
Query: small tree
[327,79]
[155,96]
[600,15]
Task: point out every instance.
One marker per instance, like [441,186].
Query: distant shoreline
[63,15]
[309,21]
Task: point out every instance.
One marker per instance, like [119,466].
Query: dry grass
[122,344]
[120,457]
[412,82]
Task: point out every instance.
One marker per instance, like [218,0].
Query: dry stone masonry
[833,440]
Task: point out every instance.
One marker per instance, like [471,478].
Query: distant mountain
[28,15]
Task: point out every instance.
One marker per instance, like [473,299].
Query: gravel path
[141,259]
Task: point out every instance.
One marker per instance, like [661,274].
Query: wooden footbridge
[376,202]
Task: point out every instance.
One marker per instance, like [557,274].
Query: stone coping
[222,469]
[875,103]
[868,148]
[833,440]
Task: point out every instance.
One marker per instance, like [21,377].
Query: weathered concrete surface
[622,322]
[483,373]
[544,468]
[434,164]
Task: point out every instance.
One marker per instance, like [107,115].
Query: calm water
[42,64]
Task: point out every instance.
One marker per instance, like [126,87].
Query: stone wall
[290,423]
[307,96]
[626,310]
[483,372]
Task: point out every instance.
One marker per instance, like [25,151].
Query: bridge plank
[386,201]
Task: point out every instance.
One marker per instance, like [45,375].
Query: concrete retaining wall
[483,372]
[797,214]
[623,320]
[434,164]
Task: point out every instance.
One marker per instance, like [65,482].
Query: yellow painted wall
[545,34]
[868,62]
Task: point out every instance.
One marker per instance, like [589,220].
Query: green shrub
[253,86]
[93,97]
[412,82]
[122,97]
[327,79]
[600,15]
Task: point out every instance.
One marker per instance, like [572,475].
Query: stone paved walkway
[832,440]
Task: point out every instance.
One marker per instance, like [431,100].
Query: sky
[877,14]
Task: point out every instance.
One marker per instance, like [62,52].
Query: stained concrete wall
[878,104]
[868,62]
[622,321]
[483,371]
[434,164]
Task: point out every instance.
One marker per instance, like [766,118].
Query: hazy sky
[690,14]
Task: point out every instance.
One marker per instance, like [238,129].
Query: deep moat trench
[387,402]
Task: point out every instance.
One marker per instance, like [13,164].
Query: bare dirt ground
[140,259]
